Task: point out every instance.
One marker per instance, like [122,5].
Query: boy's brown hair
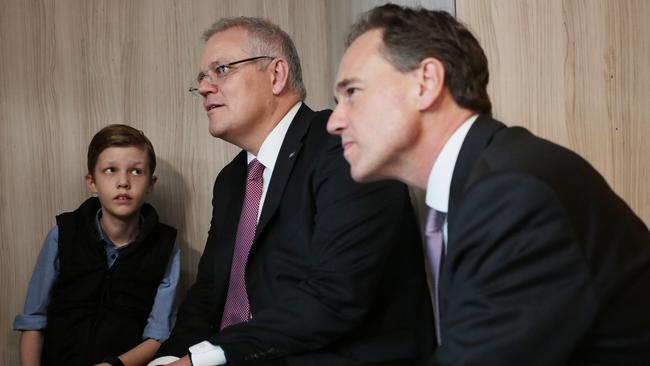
[121,136]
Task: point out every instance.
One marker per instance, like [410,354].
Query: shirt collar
[108,243]
[437,196]
[270,148]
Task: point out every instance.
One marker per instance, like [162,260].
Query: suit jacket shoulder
[538,238]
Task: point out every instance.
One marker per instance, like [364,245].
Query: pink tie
[433,233]
[237,308]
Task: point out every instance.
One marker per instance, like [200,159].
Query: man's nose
[336,122]
[207,86]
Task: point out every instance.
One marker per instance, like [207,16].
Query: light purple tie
[237,308]
[434,236]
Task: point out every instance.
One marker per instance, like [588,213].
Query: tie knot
[435,219]
[255,170]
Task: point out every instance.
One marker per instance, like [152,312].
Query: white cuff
[164,360]
[207,354]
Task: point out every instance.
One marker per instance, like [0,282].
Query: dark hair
[265,39]
[411,35]
[122,136]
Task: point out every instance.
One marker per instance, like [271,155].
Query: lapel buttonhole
[292,155]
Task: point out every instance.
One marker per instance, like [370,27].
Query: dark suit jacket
[546,265]
[336,273]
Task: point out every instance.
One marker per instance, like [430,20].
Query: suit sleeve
[196,318]
[354,228]
[517,289]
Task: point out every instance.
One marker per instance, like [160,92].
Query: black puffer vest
[95,311]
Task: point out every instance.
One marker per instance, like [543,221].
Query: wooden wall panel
[572,71]
[70,67]
[575,72]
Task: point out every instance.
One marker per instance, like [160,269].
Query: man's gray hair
[265,39]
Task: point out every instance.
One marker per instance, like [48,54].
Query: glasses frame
[194,89]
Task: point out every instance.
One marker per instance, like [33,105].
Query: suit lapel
[287,156]
[477,139]
[234,199]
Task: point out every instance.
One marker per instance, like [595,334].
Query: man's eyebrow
[215,63]
[344,83]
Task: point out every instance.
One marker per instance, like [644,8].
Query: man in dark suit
[538,261]
[333,273]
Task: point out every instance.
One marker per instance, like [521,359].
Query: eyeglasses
[219,72]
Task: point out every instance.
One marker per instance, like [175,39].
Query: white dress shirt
[268,153]
[439,184]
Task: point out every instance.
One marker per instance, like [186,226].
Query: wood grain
[575,72]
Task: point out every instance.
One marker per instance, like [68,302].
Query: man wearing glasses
[302,265]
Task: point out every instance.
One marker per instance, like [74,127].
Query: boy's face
[121,180]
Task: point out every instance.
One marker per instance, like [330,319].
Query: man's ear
[279,75]
[90,182]
[431,77]
[153,181]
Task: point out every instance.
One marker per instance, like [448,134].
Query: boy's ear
[153,181]
[90,182]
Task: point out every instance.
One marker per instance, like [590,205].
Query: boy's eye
[109,170]
[137,171]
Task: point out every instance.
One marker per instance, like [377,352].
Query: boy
[103,288]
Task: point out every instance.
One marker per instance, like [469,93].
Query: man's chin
[216,128]
[363,176]
[215,132]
